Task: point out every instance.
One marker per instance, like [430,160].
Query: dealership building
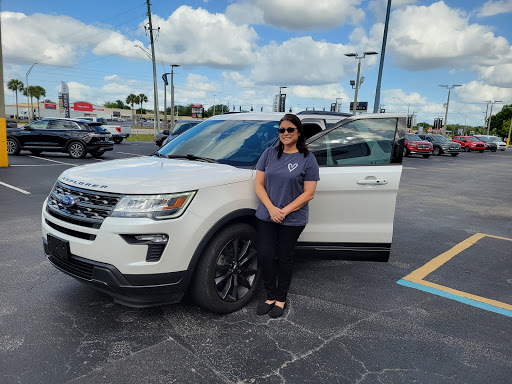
[77,110]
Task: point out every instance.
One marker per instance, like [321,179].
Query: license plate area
[58,247]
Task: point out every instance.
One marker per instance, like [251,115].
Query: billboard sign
[83,106]
[50,106]
[362,106]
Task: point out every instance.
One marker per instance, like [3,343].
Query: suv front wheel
[227,275]
[77,150]
[13,147]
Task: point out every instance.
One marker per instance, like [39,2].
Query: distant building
[77,110]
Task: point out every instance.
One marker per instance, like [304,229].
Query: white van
[147,230]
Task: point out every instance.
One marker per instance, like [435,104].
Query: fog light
[152,238]
[156,244]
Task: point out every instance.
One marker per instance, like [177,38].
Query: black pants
[276,244]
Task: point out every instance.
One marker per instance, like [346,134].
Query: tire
[35,152]
[118,140]
[13,148]
[493,150]
[77,150]
[437,151]
[97,155]
[425,156]
[481,151]
[225,280]
[454,154]
[466,149]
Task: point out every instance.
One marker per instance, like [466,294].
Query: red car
[415,145]
[470,143]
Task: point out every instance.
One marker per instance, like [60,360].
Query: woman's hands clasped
[277,215]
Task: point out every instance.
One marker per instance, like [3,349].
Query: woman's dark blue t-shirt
[284,182]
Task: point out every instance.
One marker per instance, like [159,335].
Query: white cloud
[436,36]
[478,91]
[194,90]
[238,79]
[303,61]
[497,75]
[297,14]
[196,37]
[492,8]
[327,91]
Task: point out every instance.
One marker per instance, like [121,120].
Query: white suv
[146,231]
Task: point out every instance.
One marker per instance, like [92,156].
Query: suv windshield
[439,138]
[413,137]
[234,142]
[496,139]
[484,139]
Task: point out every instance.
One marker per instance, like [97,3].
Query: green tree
[47,101]
[15,85]
[498,121]
[142,99]
[38,92]
[132,99]
[109,104]
[119,104]
[29,92]
[219,108]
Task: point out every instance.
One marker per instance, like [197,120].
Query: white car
[501,144]
[147,230]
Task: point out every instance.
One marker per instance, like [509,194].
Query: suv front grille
[74,267]
[89,209]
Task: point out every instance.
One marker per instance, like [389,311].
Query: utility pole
[490,116]
[447,105]
[155,89]
[164,78]
[172,95]
[376,104]
[3,124]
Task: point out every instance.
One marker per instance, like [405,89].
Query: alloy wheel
[236,269]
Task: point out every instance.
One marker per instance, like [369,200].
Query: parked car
[414,145]
[119,132]
[183,220]
[470,143]
[501,144]
[441,144]
[74,136]
[11,123]
[490,145]
[164,136]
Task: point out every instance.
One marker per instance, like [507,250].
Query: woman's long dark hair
[301,142]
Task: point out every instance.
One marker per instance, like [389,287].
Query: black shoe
[277,311]
[264,308]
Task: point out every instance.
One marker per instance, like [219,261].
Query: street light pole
[172,94]
[358,85]
[447,105]
[164,78]
[376,104]
[29,104]
[408,105]
[490,115]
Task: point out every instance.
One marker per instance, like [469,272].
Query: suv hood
[152,175]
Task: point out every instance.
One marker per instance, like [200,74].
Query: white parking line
[34,165]
[54,161]
[17,189]
[133,154]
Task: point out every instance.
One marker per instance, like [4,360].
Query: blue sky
[239,52]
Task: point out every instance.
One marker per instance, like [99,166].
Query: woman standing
[286,178]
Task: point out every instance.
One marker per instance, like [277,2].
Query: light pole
[172,94]
[358,84]
[279,101]
[447,104]
[376,104]
[490,115]
[164,78]
[338,98]
[408,105]
[29,105]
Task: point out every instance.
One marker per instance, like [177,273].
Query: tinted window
[63,124]
[368,141]
[233,142]
[182,128]
[40,124]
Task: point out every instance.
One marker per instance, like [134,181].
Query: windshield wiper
[188,156]
[159,154]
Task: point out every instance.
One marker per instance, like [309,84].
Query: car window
[40,124]
[63,124]
[182,128]
[233,142]
[473,139]
[359,142]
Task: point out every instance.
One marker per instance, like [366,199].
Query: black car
[441,144]
[489,144]
[179,127]
[76,137]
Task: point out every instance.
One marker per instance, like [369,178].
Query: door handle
[372,182]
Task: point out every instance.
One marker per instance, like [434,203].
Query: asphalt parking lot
[440,311]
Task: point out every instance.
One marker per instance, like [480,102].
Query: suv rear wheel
[437,151]
[227,275]
[13,147]
[77,150]
[118,140]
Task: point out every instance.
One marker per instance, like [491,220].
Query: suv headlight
[156,207]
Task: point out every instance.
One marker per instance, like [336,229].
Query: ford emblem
[67,201]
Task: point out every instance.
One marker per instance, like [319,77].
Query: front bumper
[100,147]
[451,150]
[129,290]
[420,151]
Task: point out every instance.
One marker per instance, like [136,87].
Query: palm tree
[132,99]
[38,93]
[15,85]
[29,93]
[142,99]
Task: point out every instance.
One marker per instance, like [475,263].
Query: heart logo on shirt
[291,167]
